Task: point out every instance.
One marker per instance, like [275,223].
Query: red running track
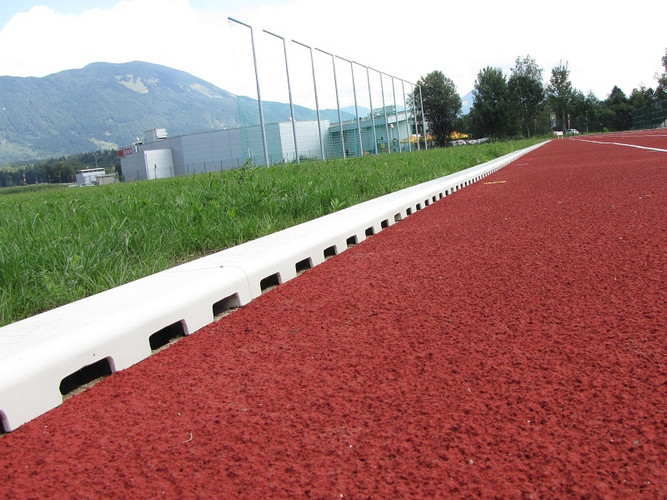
[507,341]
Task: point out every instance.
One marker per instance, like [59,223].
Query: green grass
[30,188]
[60,245]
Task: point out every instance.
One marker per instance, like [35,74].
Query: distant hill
[466,103]
[105,106]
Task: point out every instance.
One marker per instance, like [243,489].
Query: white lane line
[623,144]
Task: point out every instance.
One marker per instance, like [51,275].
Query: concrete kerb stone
[115,327]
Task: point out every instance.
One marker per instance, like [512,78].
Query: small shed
[89,176]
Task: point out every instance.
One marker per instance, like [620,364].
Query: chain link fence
[299,102]
[651,116]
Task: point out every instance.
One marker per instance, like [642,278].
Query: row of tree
[522,105]
[58,170]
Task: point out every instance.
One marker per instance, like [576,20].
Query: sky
[605,44]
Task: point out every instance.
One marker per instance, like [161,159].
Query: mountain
[105,106]
[466,103]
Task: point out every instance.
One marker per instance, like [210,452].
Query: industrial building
[159,156]
[94,177]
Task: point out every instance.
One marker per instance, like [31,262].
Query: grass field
[60,245]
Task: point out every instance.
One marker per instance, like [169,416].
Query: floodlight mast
[289,92]
[259,94]
[317,103]
[340,120]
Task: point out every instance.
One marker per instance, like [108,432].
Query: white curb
[114,329]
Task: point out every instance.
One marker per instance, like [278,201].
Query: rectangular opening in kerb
[86,376]
[351,241]
[384,224]
[269,282]
[369,231]
[329,252]
[167,335]
[221,307]
[4,425]
[303,265]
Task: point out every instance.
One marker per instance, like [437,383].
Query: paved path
[508,340]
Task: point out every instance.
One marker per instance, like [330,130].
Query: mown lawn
[60,245]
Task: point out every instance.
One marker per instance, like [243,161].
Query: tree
[619,104]
[559,91]
[526,92]
[661,91]
[441,102]
[641,97]
[490,111]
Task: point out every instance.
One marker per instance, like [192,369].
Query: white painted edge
[37,353]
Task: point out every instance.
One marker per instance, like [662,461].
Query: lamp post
[289,92]
[259,94]
[317,104]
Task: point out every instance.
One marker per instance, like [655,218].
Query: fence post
[259,94]
[340,120]
[317,104]
[289,92]
[421,102]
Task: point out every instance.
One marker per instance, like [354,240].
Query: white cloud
[603,45]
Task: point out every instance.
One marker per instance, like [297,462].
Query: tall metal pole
[317,102]
[414,114]
[407,119]
[384,109]
[421,102]
[370,101]
[340,119]
[259,94]
[398,127]
[289,92]
[356,107]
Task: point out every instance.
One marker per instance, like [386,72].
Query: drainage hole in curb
[4,427]
[384,224]
[84,378]
[370,231]
[269,282]
[329,252]
[167,336]
[397,217]
[351,241]
[225,306]
[303,265]
[408,211]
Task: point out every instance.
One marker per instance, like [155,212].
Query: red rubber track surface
[509,340]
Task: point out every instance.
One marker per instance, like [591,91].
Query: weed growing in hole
[60,245]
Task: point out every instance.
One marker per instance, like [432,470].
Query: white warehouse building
[159,156]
